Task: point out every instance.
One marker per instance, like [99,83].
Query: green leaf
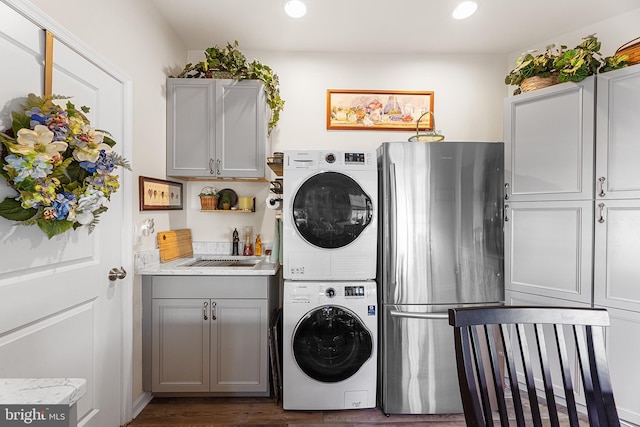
[12,209]
[54,227]
[75,172]
[20,120]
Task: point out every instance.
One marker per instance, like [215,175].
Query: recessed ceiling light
[465,10]
[295,8]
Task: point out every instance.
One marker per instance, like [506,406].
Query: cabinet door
[548,248]
[191,127]
[617,249]
[549,140]
[623,348]
[239,345]
[618,127]
[241,129]
[180,352]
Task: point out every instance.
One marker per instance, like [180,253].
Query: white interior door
[60,315]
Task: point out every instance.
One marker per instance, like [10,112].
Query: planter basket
[209,203]
[632,50]
[536,82]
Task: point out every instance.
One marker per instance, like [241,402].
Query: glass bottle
[258,250]
[248,245]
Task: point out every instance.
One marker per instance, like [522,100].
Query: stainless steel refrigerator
[441,246]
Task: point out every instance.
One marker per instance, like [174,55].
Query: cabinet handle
[506,191]
[211,171]
[204,310]
[601,219]
[213,310]
[218,167]
[602,179]
[506,214]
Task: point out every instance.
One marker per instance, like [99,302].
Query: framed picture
[158,194]
[379,110]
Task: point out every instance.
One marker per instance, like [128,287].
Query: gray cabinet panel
[549,143]
[190,127]
[180,336]
[617,250]
[548,248]
[239,346]
[618,130]
[242,126]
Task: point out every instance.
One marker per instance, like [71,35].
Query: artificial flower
[61,168]
[39,140]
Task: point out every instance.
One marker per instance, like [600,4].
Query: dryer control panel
[354,291]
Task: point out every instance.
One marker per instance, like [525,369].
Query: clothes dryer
[330,229]
[329,353]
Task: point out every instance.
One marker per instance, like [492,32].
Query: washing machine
[329,352]
[329,215]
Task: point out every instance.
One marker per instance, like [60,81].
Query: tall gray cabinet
[572,206]
[216,128]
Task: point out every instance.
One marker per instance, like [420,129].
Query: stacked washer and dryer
[330,312]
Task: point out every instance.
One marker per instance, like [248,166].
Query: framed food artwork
[158,194]
[379,110]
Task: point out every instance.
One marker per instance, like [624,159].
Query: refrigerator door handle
[414,315]
[393,227]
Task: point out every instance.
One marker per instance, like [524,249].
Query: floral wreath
[60,167]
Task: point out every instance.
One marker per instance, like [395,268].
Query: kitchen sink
[222,262]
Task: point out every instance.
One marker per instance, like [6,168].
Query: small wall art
[379,110]
[158,194]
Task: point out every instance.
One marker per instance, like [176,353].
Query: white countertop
[47,391]
[176,268]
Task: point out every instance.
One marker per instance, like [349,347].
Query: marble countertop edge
[42,391]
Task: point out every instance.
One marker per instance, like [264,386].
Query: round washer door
[330,344]
[330,210]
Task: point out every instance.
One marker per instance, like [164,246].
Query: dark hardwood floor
[253,411]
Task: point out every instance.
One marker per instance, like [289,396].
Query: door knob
[117,273]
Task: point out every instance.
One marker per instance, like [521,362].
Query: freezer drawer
[418,361]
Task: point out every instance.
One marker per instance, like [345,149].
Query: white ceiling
[382,26]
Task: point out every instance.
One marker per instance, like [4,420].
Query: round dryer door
[330,344]
[330,210]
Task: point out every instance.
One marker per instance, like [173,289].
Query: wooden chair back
[513,360]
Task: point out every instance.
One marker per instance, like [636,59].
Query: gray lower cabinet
[216,128]
[208,334]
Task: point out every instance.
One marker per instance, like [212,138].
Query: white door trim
[35,15]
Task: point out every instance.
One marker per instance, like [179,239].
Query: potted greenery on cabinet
[557,64]
[230,63]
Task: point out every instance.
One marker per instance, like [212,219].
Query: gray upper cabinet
[548,137]
[618,135]
[216,128]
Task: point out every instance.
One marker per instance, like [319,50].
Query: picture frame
[379,110]
[158,194]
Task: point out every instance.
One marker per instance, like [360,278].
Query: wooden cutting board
[175,244]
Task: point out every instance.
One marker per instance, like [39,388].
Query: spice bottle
[258,250]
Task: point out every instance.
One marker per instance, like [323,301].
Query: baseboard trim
[141,402]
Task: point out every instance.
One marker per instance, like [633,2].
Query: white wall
[468,95]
